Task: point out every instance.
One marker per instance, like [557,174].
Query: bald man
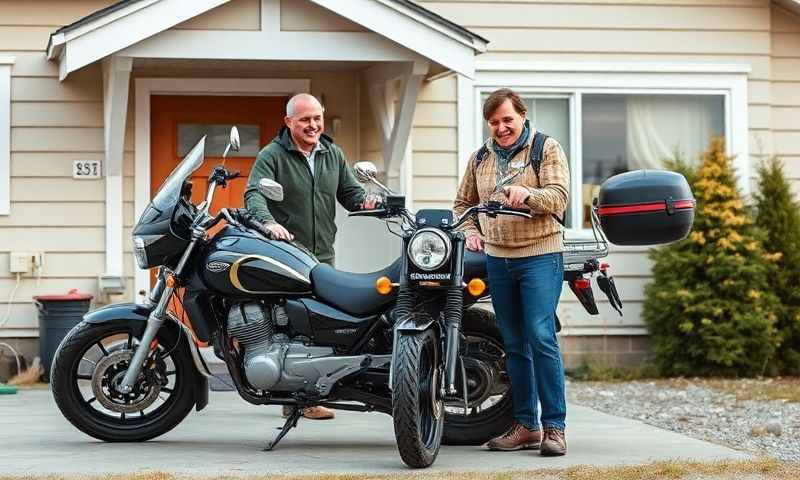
[314,173]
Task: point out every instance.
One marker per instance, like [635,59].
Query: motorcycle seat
[474,265]
[353,293]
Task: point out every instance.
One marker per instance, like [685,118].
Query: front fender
[133,314]
[414,322]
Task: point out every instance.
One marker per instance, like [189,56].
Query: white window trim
[575,79]
[5,134]
[146,87]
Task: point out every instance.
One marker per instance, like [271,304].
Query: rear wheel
[91,362]
[489,411]
[417,406]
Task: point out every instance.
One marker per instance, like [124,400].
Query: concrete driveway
[228,437]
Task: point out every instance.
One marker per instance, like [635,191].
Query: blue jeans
[525,293]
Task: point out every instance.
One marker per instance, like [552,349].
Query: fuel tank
[241,263]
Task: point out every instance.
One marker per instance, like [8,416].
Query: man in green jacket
[314,174]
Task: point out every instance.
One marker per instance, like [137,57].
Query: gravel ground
[703,409]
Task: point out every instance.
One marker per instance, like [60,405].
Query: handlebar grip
[235,174]
[368,213]
[518,210]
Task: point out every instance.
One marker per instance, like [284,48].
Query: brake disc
[108,374]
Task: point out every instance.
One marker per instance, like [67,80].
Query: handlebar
[492,209]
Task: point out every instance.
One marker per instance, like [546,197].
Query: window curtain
[661,125]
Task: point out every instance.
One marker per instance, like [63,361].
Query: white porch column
[116,80]
[395,120]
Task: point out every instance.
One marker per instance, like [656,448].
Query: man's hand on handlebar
[516,196]
[371,201]
[279,232]
[474,242]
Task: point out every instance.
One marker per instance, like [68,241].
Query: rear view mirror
[271,189]
[234,140]
[365,171]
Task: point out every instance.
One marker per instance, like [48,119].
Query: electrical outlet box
[21,262]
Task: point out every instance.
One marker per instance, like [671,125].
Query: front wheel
[90,363]
[417,406]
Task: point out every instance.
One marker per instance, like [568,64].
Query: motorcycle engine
[273,361]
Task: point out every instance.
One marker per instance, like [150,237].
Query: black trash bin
[57,315]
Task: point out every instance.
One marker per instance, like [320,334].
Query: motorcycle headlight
[429,249]
[140,252]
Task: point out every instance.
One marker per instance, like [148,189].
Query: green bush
[778,214]
[710,307]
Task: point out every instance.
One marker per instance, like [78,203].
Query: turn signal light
[476,287]
[171,281]
[383,285]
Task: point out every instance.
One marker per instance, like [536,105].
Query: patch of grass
[671,470]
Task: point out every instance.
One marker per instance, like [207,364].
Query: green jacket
[308,209]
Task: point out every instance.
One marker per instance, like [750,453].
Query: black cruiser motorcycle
[410,340]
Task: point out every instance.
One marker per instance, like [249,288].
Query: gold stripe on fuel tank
[234,272]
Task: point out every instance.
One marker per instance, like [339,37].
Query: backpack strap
[480,155]
[537,152]
[536,157]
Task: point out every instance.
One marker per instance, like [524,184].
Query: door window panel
[218,136]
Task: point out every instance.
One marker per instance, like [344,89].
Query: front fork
[160,296]
[452,316]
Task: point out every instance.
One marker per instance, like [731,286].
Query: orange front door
[178,121]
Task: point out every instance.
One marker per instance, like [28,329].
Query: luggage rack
[577,252]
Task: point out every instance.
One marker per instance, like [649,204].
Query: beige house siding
[52,124]
[435,146]
[662,31]
[234,15]
[304,16]
[785,108]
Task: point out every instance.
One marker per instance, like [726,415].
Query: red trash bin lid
[69,296]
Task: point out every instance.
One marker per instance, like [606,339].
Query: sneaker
[517,438]
[554,443]
[311,413]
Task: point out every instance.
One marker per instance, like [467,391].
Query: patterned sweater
[513,237]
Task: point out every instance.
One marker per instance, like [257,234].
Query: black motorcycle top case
[646,207]
[240,263]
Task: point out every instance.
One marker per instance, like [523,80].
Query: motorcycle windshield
[169,192]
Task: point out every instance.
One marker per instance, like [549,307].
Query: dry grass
[787,389]
[756,469]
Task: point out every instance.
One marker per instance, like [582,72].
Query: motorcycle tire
[102,425]
[415,385]
[479,428]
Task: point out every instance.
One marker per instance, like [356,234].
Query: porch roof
[394,26]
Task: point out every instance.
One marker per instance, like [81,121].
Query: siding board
[435,164]
[520,40]
[57,114]
[81,86]
[47,12]
[652,17]
[60,189]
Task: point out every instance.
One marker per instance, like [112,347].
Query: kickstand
[291,423]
